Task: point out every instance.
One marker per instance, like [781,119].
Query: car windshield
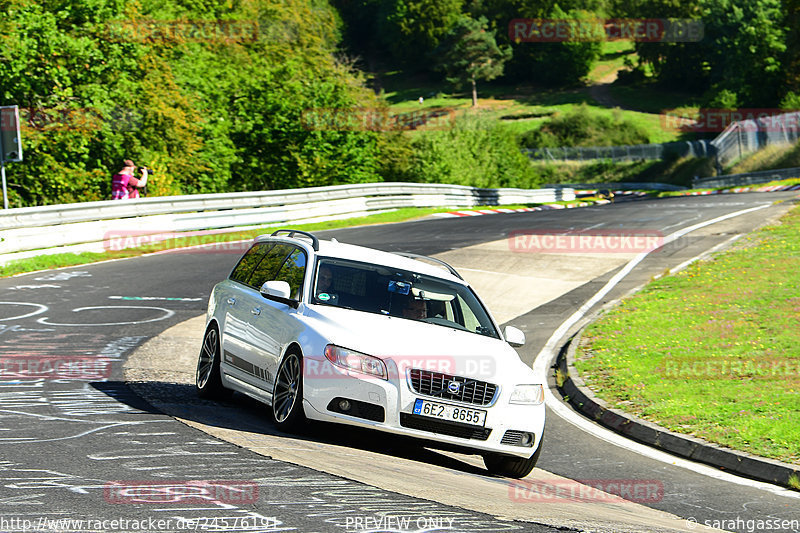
[389,291]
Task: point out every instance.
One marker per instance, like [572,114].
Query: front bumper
[324,385]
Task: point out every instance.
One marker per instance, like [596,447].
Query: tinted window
[293,271]
[399,293]
[269,266]
[249,261]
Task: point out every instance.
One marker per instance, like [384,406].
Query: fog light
[344,405]
[526,439]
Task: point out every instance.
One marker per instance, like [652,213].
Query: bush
[791,101]
[580,127]
[477,151]
[724,99]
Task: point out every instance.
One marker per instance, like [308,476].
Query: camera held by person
[124,185]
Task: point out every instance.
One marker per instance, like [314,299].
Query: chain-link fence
[636,152]
[747,136]
[738,139]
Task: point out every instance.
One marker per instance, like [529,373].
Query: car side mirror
[278,291]
[515,337]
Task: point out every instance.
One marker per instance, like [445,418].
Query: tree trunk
[474,93]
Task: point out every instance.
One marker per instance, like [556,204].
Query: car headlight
[527,395]
[353,360]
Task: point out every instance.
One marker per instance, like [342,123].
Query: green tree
[742,50]
[554,64]
[411,29]
[210,93]
[470,53]
[792,57]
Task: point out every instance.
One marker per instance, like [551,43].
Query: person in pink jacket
[124,185]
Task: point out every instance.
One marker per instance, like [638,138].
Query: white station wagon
[399,343]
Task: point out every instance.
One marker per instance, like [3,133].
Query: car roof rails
[433,259]
[292,232]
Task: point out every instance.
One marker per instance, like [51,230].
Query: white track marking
[42,309]
[166,315]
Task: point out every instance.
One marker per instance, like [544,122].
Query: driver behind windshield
[324,289]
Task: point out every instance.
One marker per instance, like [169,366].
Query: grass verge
[769,158]
[711,351]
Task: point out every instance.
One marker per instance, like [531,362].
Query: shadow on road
[241,413]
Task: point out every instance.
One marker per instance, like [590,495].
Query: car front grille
[435,384]
[442,427]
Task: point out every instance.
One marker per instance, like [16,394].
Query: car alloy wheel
[208,381]
[287,396]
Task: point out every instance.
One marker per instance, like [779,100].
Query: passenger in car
[415,309]
[436,309]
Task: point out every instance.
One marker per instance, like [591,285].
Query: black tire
[287,394]
[507,466]
[208,381]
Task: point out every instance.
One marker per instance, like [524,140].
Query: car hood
[406,344]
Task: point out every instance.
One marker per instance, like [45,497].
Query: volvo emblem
[453,387]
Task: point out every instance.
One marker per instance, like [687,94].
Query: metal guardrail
[32,229]
[619,186]
[747,178]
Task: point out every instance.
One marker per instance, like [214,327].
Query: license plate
[453,413]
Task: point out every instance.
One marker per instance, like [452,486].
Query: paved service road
[83,446]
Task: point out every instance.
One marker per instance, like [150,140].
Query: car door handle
[256,311]
[231,301]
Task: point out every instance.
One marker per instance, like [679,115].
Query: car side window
[293,272]
[270,264]
[248,262]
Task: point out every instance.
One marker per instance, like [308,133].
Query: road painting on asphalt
[82,452]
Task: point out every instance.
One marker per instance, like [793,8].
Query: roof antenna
[334,240]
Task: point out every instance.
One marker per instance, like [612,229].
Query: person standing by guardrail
[124,185]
